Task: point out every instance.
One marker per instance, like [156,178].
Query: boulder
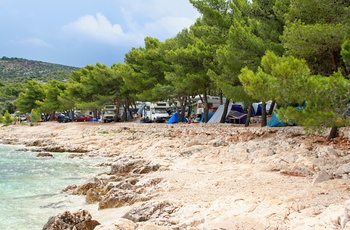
[157,210]
[120,198]
[80,220]
[91,183]
[92,196]
[126,166]
[321,177]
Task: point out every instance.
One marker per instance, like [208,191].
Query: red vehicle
[83,118]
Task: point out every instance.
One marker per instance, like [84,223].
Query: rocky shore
[199,176]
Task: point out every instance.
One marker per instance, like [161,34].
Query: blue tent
[175,118]
[236,115]
[210,115]
[257,110]
[274,122]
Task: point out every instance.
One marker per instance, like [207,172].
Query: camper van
[156,112]
[109,113]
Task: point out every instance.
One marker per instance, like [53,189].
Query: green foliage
[52,90]
[318,11]
[8,94]
[91,87]
[7,119]
[319,44]
[35,116]
[31,96]
[254,29]
[258,85]
[278,78]
[287,78]
[326,104]
[315,31]
[149,67]
[345,52]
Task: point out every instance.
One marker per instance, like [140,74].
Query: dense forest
[294,52]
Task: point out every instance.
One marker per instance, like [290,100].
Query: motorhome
[109,113]
[155,112]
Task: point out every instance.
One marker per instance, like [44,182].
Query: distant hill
[18,70]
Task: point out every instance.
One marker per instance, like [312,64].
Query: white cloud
[97,27]
[169,25]
[161,19]
[34,41]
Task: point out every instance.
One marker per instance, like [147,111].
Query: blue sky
[83,32]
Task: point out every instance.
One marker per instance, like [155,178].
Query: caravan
[213,103]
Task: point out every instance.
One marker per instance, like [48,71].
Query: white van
[157,112]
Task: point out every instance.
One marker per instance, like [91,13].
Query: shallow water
[30,187]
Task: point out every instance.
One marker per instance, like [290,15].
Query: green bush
[7,119]
[35,117]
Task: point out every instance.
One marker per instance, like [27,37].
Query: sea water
[30,186]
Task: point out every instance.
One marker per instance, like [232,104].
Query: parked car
[83,118]
[63,119]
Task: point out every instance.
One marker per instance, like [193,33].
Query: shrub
[7,119]
[35,116]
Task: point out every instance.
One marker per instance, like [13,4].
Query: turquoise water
[30,187]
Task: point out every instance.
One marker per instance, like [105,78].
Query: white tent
[218,114]
[257,107]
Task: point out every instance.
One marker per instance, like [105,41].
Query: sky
[83,32]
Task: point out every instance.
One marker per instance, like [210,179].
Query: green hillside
[16,70]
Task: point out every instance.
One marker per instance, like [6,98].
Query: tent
[274,122]
[234,115]
[257,108]
[210,115]
[218,114]
[175,118]
[140,110]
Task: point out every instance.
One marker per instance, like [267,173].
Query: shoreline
[209,176]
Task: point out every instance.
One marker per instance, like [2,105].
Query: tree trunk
[223,117]
[333,133]
[188,101]
[221,100]
[263,114]
[344,69]
[271,108]
[250,109]
[182,105]
[206,108]
[334,61]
